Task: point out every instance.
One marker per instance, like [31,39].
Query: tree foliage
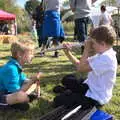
[31,5]
[22,18]
[11,3]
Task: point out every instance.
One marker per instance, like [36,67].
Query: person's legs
[55,43]
[13,101]
[42,53]
[39,34]
[62,34]
[80,29]
[73,99]
[75,31]
[18,97]
[3,102]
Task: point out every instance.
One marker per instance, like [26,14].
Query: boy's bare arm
[27,85]
[82,65]
[33,79]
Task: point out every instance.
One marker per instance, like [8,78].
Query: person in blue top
[52,25]
[14,85]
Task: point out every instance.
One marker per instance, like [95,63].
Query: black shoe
[32,96]
[20,106]
[59,89]
[55,54]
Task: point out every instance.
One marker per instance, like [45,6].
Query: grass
[54,69]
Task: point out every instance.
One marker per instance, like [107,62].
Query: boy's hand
[88,44]
[68,47]
[37,76]
[89,48]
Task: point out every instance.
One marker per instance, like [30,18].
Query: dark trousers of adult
[81,28]
[74,94]
[39,34]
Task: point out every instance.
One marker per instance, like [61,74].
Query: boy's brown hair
[22,46]
[103,8]
[104,33]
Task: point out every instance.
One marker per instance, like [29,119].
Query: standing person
[105,17]
[101,68]
[81,9]
[52,26]
[14,85]
[38,17]
[5,28]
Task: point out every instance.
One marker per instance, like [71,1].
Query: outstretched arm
[82,65]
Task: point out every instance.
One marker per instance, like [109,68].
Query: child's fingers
[68,46]
[39,75]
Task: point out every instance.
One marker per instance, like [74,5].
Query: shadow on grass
[118,74]
[5,58]
[4,50]
[37,109]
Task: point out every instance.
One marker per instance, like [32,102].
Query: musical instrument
[60,47]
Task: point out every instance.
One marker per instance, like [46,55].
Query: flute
[60,47]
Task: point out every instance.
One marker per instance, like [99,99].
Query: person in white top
[101,68]
[105,17]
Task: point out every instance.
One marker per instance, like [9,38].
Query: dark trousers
[81,28]
[74,94]
[39,34]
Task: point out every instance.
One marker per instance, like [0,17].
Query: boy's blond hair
[21,46]
[104,33]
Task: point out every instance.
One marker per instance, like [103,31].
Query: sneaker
[59,89]
[55,54]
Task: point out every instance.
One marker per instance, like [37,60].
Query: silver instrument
[60,47]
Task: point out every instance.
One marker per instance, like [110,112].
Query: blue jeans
[81,28]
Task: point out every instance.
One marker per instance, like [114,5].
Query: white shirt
[102,77]
[52,5]
[105,18]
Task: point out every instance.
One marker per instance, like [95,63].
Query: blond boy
[13,82]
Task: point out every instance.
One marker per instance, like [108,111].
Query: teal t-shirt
[11,76]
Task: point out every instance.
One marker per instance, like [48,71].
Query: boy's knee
[22,96]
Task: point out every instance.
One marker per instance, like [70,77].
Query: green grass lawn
[54,69]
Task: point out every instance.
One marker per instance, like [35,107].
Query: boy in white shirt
[101,68]
[105,17]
